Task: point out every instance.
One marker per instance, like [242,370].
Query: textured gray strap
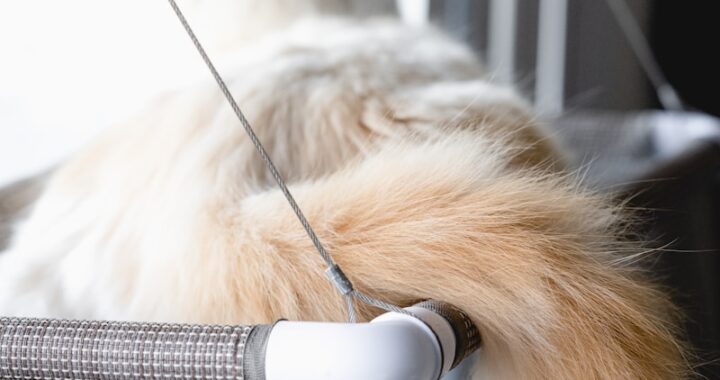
[61,349]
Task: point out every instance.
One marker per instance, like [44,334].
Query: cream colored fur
[423,180]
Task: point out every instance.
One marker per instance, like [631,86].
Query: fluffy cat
[423,180]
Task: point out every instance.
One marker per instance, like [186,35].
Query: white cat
[422,179]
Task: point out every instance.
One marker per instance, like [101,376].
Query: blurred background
[627,86]
[70,68]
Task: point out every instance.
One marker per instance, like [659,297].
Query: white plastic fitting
[393,346]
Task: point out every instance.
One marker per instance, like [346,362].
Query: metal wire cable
[666,93]
[333,272]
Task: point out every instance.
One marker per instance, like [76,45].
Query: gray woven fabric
[57,349]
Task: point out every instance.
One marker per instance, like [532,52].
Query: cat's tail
[534,260]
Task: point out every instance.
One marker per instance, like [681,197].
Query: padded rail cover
[58,349]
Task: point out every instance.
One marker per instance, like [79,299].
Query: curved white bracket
[393,346]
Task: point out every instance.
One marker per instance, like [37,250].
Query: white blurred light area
[71,68]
